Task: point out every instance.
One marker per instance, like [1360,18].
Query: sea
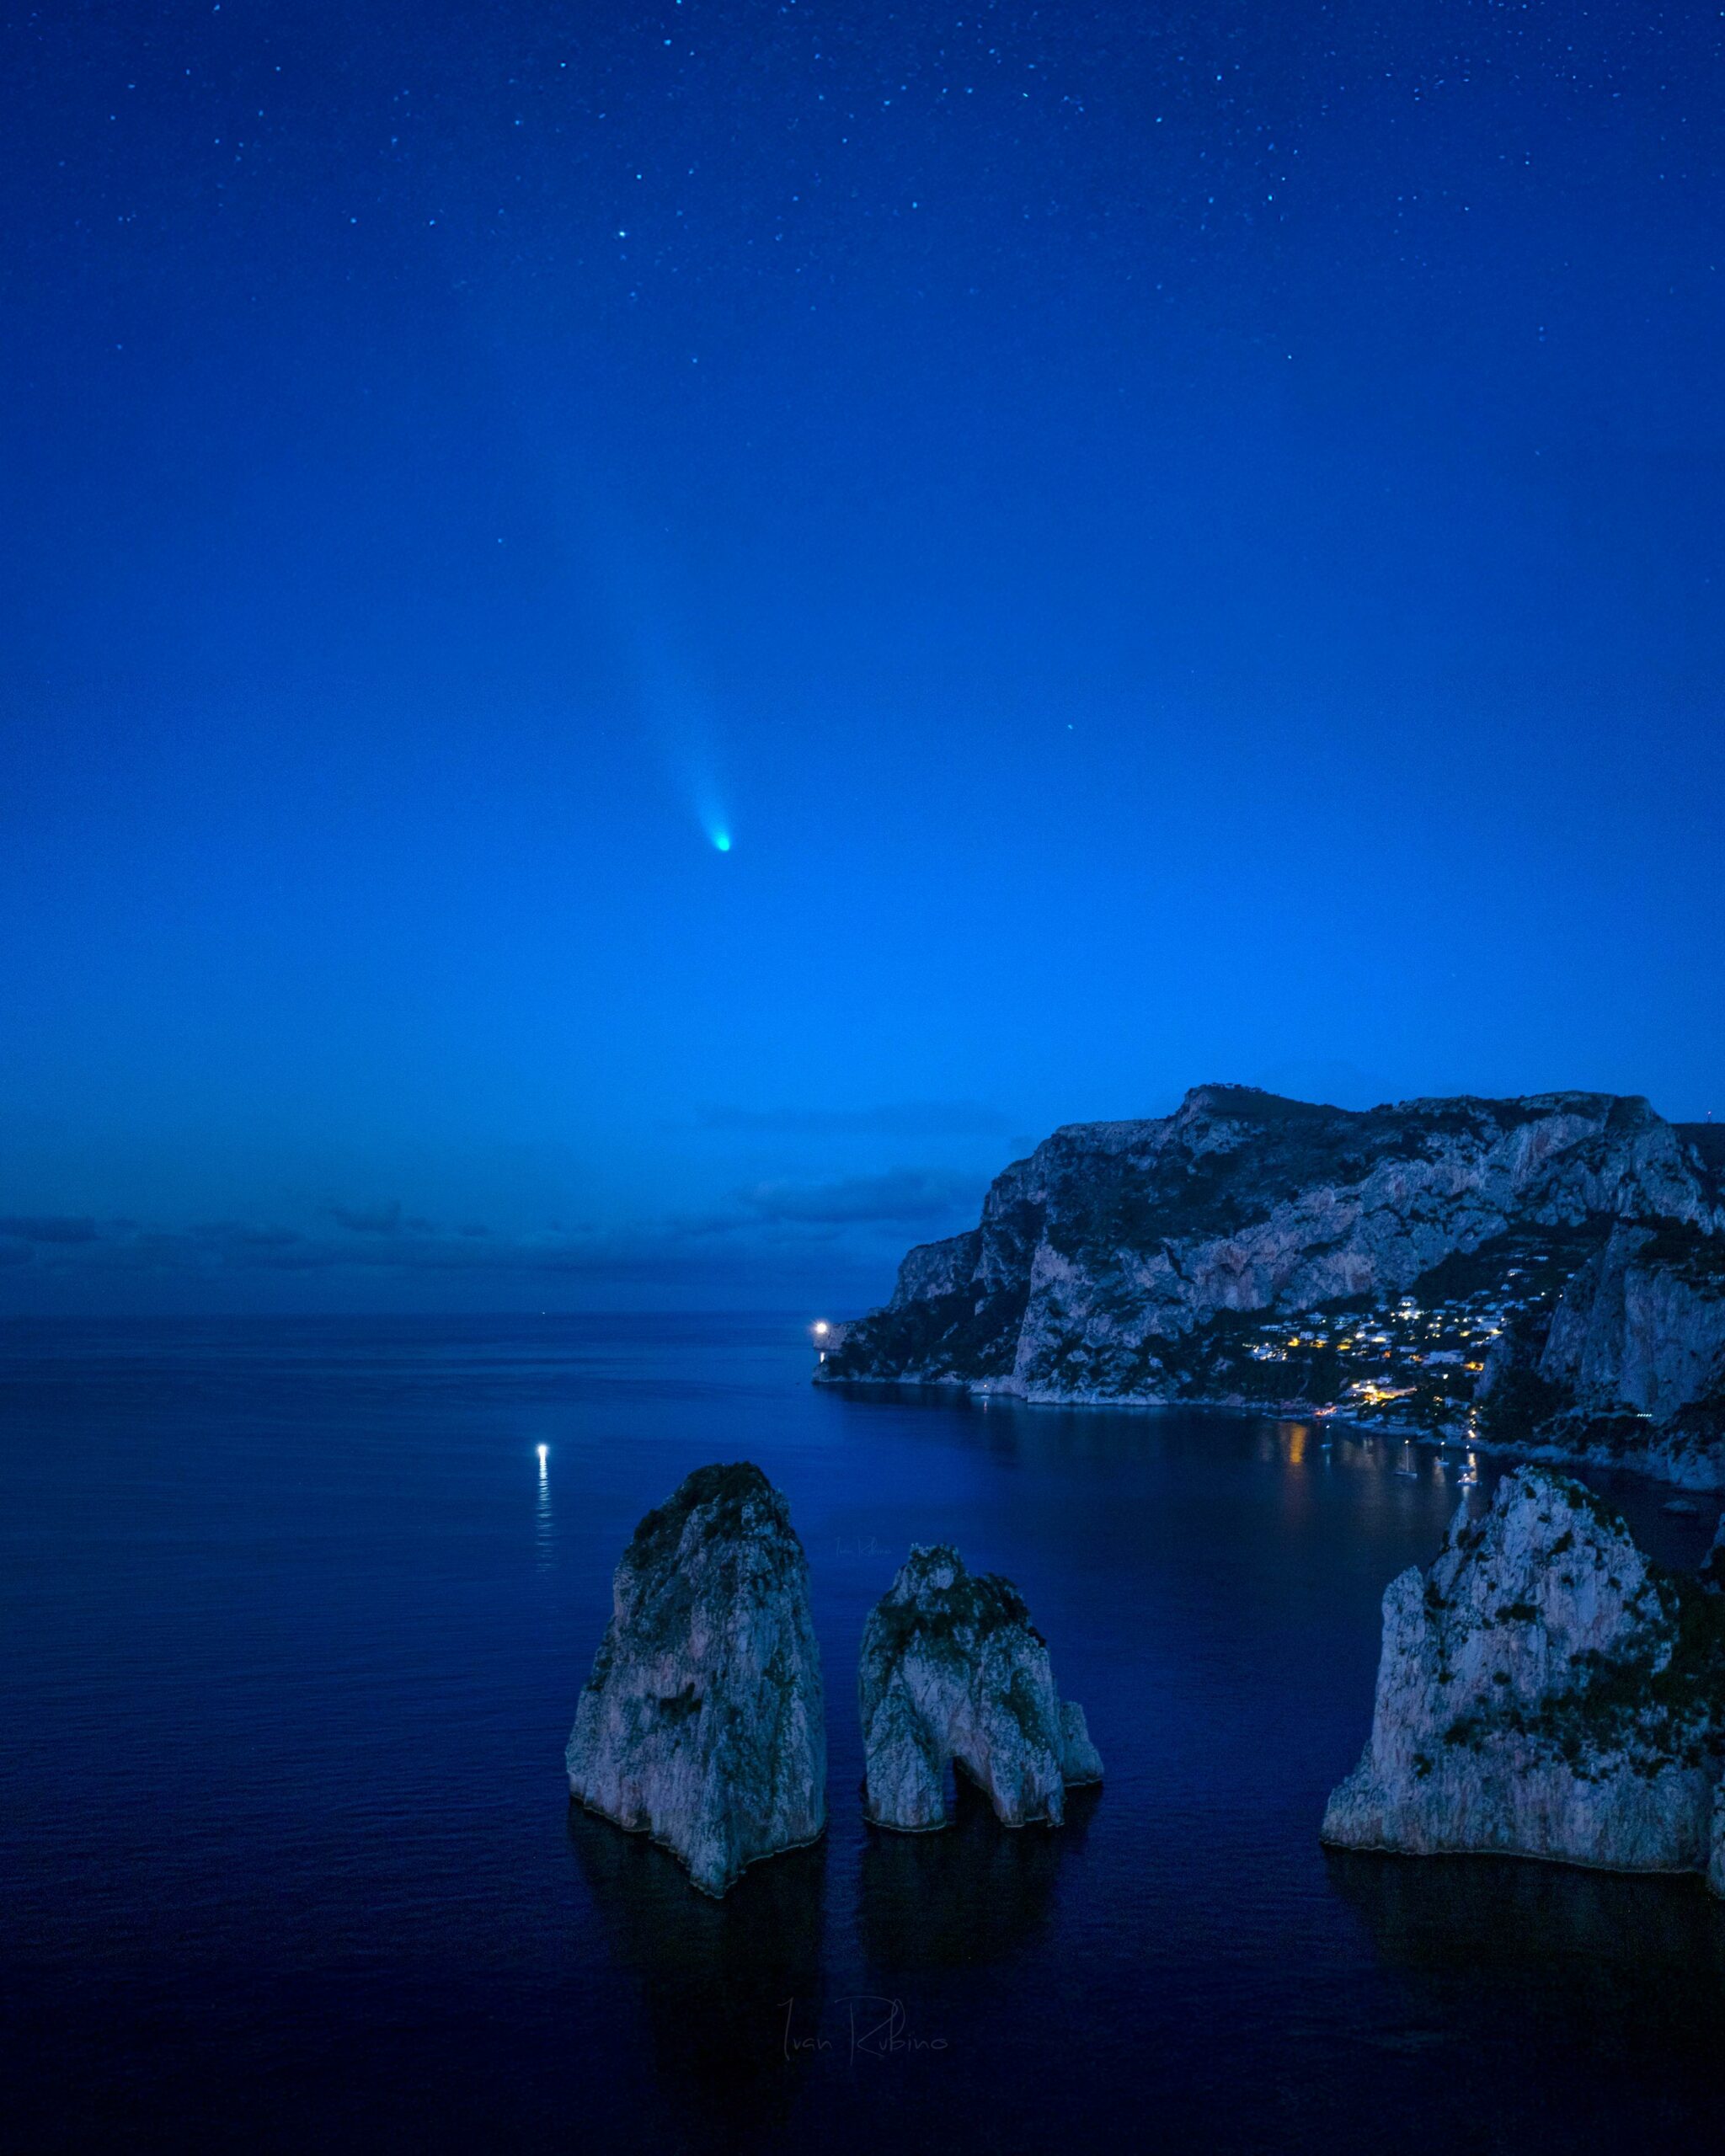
[293,1617]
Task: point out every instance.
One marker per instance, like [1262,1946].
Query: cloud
[245,1237]
[910,1196]
[369,1220]
[890,1120]
[47,1228]
[765,1225]
[411,1246]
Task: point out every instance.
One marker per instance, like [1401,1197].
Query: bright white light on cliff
[821,1326]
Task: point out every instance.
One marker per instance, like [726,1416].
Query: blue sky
[1174,547]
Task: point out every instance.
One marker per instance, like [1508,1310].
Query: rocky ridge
[701,1723]
[953,1671]
[1544,1274]
[1546,1690]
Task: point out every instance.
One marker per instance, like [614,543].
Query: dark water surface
[293,1630]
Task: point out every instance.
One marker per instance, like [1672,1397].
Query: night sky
[639,641]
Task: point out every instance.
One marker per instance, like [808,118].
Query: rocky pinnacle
[953,1670]
[701,1723]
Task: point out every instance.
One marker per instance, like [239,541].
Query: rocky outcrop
[1714,1564]
[1080,1762]
[1129,1261]
[1629,1365]
[701,1723]
[1545,1690]
[1641,1325]
[953,1672]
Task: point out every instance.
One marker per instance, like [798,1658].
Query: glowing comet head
[711,815]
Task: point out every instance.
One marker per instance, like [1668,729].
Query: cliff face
[1545,1690]
[951,1670]
[702,1723]
[1643,1324]
[1164,1259]
[1631,1362]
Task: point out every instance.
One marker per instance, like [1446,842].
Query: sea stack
[702,1723]
[1545,1690]
[953,1670]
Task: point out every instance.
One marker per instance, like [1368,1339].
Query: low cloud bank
[46,1228]
[889,1119]
[908,1197]
[860,1220]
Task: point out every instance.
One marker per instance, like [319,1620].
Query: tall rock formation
[953,1670]
[1545,1690]
[702,1723]
[1629,1363]
[1579,1240]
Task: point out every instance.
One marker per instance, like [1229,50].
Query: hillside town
[1411,1361]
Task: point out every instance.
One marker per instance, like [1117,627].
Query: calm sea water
[294,1625]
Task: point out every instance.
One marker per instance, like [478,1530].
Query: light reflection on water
[543,1552]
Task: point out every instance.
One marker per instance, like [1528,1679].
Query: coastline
[1703,1471]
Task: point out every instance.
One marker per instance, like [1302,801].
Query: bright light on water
[546,1555]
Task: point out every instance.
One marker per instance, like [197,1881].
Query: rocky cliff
[1561,1257]
[1628,1363]
[1545,1690]
[702,1723]
[953,1671]
[1713,1565]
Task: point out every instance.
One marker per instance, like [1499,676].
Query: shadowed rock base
[713,1974]
[967,1896]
